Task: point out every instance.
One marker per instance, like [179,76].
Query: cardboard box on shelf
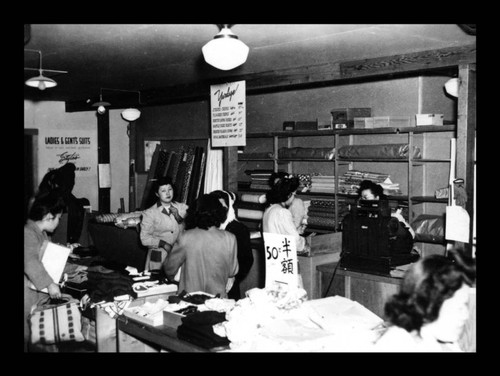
[391,121]
[363,122]
[428,119]
[344,117]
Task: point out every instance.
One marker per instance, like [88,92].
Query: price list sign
[281,259]
[227,103]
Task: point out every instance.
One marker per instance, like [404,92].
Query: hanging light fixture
[101,105]
[225,51]
[129,114]
[40,81]
[451,87]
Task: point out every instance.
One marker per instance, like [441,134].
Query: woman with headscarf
[231,224]
[278,218]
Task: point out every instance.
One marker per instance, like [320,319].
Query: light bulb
[42,85]
[101,109]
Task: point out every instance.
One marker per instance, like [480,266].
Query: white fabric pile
[280,319]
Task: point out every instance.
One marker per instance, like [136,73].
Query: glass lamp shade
[451,87]
[41,82]
[131,114]
[101,106]
[225,51]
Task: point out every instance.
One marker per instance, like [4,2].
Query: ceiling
[142,57]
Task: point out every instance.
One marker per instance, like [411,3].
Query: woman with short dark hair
[207,254]
[43,219]
[162,223]
[431,308]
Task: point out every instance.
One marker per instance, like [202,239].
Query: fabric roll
[214,168]
[257,198]
[312,213]
[106,218]
[250,214]
[321,222]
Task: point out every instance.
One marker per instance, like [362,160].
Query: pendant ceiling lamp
[225,51]
[451,87]
[41,82]
[129,114]
[101,105]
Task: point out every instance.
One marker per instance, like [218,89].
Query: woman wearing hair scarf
[231,224]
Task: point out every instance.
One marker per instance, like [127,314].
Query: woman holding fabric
[162,223]
[43,219]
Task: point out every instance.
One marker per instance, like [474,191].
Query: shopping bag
[56,321]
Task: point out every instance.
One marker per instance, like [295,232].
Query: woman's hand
[167,247]
[176,214]
[72,246]
[54,291]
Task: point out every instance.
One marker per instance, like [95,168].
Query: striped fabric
[56,324]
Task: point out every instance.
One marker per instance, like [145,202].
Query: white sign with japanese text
[227,103]
[281,259]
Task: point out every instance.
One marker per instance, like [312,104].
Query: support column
[132,158]
[466,133]
[103,160]
[230,164]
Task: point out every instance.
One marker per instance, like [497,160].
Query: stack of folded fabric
[251,206]
[105,284]
[349,182]
[323,183]
[197,328]
[305,181]
[259,179]
[321,213]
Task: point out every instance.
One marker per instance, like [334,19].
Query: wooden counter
[134,336]
[309,273]
[370,290]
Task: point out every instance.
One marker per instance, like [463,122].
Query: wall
[267,112]
[52,115]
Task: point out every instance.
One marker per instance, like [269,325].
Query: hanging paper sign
[227,103]
[58,147]
[281,259]
[457,224]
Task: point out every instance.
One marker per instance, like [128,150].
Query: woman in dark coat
[231,224]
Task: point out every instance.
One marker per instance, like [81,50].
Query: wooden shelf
[355,131]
